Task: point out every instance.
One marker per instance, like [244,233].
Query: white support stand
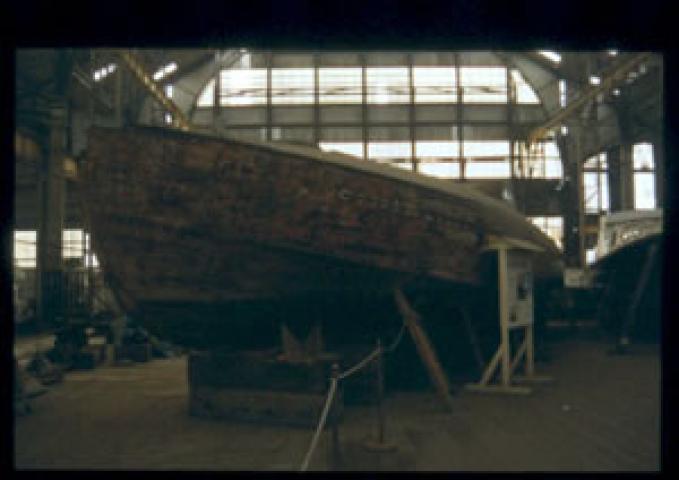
[516,312]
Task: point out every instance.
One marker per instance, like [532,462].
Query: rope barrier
[321,424]
[359,365]
[333,389]
[397,341]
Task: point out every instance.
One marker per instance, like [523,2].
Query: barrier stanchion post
[381,444]
[336,454]
[380,391]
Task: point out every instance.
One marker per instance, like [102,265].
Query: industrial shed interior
[250,259]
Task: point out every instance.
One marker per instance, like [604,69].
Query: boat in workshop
[204,238]
[628,272]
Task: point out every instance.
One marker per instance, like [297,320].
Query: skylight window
[339,85]
[388,85]
[241,87]
[434,84]
[594,80]
[292,85]
[169,90]
[550,55]
[104,71]
[483,84]
[165,71]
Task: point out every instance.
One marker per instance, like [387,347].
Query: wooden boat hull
[190,219]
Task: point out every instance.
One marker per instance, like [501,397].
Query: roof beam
[609,79]
[131,61]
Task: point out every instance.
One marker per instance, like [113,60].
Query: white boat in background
[620,229]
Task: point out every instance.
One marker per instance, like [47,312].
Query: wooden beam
[609,79]
[424,347]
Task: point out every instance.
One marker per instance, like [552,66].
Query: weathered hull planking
[187,219]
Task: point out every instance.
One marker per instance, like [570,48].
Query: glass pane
[550,226]
[207,96]
[388,85]
[603,183]
[243,87]
[440,169]
[486,169]
[590,255]
[402,165]
[553,168]
[383,150]
[490,148]
[524,92]
[292,86]
[591,184]
[644,191]
[73,245]
[339,85]
[603,161]
[592,163]
[434,149]
[25,248]
[483,84]
[434,84]
[350,148]
[642,155]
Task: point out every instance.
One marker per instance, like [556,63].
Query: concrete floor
[603,413]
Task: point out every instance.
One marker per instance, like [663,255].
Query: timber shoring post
[424,347]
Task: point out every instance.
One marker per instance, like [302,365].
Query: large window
[241,87]
[75,244]
[340,85]
[644,176]
[434,84]
[349,148]
[483,84]
[552,227]
[290,86]
[487,159]
[438,158]
[245,86]
[441,169]
[25,248]
[541,160]
[595,179]
[388,85]
[396,154]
